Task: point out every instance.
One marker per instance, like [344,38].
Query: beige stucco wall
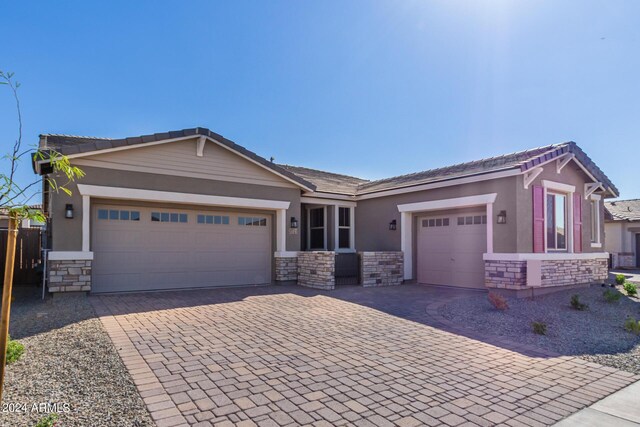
[614,241]
[67,233]
[571,174]
[621,242]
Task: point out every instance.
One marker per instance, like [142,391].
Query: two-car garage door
[450,249]
[142,248]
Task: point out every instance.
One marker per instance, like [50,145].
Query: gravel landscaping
[68,359]
[596,334]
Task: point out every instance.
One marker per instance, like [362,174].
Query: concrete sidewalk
[620,409]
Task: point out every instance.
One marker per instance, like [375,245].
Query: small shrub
[611,296]
[14,351]
[498,301]
[539,328]
[48,421]
[631,289]
[632,325]
[576,304]
[620,279]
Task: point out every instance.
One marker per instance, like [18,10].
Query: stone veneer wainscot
[286,268]
[317,269]
[505,274]
[512,275]
[574,272]
[381,268]
[69,275]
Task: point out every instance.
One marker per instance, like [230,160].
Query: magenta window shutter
[577,222]
[538,219]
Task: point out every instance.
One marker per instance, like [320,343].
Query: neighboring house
[25,223]
[191,208]
[622,229]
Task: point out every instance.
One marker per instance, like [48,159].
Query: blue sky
[368,88]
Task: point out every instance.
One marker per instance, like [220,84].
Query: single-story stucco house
[622,229]
[190,208]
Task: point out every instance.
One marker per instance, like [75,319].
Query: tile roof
[70,144]
[328,182]
[524,160]
[491,164]
[623,210]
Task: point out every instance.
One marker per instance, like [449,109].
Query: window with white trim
[344,228]
[595,220]
[317,229]
[557,220]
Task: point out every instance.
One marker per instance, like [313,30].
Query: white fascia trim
[458,202]
[406,243]
[70,255]
[328,196]
[330,202]
[182,198]
[285,254]
[86,223]
[126,147]
[558,186]
[544,257]
[455,181]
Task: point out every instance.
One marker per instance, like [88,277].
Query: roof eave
[95,147]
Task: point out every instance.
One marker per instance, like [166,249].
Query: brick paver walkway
[367,357]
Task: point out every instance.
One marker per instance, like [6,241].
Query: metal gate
[28,262]
[347,269]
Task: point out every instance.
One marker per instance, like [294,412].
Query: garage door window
[252,221]
[118,215]
[213,219]
[435,222]
[169,217]
[472,220]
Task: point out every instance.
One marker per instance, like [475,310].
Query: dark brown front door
[637,250]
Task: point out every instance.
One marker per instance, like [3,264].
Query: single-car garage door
[142,248]
[450,249]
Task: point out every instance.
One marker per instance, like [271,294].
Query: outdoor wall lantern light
[393,225]
[502,217]
[68,210]
[294,222]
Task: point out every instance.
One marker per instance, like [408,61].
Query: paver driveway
[353,356]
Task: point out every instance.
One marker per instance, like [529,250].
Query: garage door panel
[153,255]
[452,254]
[116,239]
[437,261]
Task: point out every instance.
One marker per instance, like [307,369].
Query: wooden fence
[28,256]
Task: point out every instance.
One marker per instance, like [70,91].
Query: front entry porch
[320,269]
